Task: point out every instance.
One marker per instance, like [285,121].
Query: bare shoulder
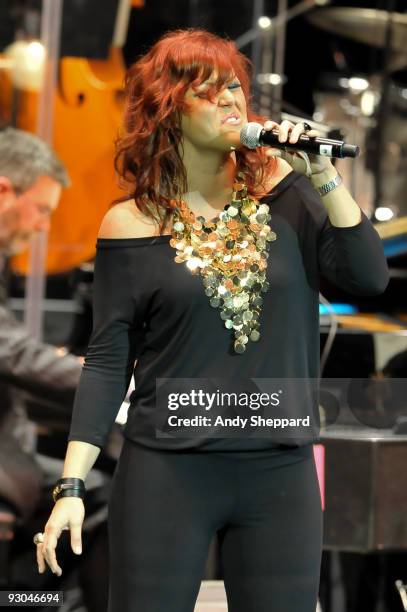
[125,220]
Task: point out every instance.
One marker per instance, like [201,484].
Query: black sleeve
[350,257]
[111,353]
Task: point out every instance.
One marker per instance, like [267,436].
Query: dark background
[88,27]
[309,51]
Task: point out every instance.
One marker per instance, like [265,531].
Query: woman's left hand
[305,163]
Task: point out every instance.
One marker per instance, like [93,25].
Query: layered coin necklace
[230,253]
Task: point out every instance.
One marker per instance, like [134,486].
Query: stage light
[355,84]
[270,78]
[383,213]
[358,84]
[368,102]
[36,51]
[264,22]
[28,61]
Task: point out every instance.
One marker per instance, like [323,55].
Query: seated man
[31,181]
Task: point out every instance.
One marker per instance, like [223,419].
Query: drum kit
[370,110]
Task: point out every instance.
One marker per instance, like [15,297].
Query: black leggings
[166,506]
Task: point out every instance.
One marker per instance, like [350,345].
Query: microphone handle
[316,145]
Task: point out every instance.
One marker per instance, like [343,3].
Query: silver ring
[38,538]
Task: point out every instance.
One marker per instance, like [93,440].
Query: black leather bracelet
[76,482]
[69,484]
[69,493]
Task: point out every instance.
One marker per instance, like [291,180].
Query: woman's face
[215,123]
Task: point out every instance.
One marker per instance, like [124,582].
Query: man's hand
[62,351]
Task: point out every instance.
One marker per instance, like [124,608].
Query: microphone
[253,135]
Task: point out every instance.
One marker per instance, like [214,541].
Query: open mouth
[231,119]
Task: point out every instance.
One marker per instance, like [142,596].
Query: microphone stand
[383,109]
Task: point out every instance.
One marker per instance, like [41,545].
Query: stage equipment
[366,26]
[376,112]
[366,496]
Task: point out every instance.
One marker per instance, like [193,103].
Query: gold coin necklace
[230,253]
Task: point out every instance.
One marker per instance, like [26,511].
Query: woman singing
[208,270]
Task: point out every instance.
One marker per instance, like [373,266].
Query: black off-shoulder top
[153,311]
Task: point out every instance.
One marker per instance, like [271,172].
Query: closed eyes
[202,92]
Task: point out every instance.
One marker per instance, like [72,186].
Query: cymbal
[363,25]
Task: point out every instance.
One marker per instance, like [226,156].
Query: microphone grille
[250,134]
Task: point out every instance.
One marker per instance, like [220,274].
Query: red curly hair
[147,158]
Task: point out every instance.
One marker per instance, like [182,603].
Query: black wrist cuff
[69,493]
[75,486]
[75,482]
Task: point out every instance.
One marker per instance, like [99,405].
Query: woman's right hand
[68,513]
